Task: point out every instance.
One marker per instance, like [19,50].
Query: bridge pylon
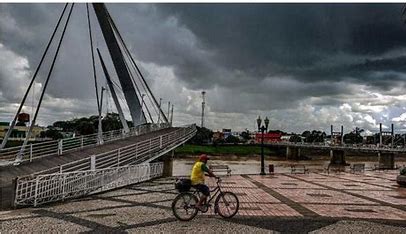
[337,157]
[292,153]
[337,138]
[386,160]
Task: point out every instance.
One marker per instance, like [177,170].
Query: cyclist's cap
[203,157]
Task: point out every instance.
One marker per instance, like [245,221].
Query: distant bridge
[346,147]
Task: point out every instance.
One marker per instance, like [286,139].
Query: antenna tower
[203,103]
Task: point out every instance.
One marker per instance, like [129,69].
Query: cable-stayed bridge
[38,173]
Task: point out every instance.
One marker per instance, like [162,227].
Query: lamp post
[262,129]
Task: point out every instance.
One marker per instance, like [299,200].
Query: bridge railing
[136,153]
[58,147]
[33,191]
[344,146]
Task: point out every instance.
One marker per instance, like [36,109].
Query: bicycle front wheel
[184,206]
[227,204]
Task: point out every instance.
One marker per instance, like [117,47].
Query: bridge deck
[7,174]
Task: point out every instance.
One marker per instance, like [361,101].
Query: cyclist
[197,178]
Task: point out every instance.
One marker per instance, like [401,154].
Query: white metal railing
[58,147]
[139,152]
[41,189]
[339,147]
[100,172]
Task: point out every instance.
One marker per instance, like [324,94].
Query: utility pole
[114,96]
[142,103]
[100,129]
[171,115]
[203,104]
[169,108]
[159,107]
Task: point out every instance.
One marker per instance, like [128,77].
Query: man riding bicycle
[197,178]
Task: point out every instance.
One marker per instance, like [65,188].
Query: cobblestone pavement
[370,202]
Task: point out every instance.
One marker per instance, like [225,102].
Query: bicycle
[184,204]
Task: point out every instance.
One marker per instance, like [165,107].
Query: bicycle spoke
[227,204]
[183,206]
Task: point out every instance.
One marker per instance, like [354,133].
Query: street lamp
[262,129]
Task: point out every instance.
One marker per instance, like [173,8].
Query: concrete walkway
[319,203]
[8,173]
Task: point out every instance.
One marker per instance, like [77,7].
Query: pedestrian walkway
[314,202]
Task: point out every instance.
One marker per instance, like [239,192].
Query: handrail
[343,147]
[58,147]
[101,172]
[48,188]
[135,152]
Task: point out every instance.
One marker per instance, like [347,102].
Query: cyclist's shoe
[202,208]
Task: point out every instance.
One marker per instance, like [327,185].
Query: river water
[183,166]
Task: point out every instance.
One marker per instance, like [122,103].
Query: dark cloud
[264,39]
[275,59]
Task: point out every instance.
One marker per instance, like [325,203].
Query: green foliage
[295,138]
[85,126]
[220,150]
[203,136]
[111,122]
[232,139]
[314,136]
[245,135]
[52,133]
[354,137]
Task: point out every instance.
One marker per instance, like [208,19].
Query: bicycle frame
[216,191]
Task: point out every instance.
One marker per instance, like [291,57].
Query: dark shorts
[203,189]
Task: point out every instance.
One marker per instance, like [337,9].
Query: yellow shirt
[197,175]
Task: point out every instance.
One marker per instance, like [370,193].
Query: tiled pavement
[282,202]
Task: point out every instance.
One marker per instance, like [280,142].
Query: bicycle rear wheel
[227,204]
[183,206]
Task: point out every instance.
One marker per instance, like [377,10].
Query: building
[268,137]
[20,132]
[286,138]
[226,132]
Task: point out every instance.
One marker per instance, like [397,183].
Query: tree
[86,128]
[111,122]
[203,136]
[52,133]
[354,137]
[245,135]
[314,136]
[232,139]
[295,138]
[306,134]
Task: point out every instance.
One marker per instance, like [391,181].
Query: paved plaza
[370,202]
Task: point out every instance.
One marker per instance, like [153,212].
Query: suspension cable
[127,52]
[142,84]
[3,144]
[139,92]
[138,70]
[93,62]
[19,156]
[120,42]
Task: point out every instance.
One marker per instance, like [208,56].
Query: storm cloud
[305,66]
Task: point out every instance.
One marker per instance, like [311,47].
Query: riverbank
[273,153]
[242,150]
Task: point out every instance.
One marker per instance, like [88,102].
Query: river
[183,166]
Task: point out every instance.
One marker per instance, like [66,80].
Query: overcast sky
[305,66]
